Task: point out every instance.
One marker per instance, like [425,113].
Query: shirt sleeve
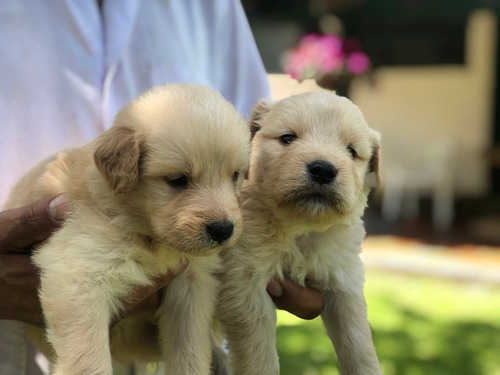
[238,69]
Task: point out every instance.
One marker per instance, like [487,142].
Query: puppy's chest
[305,263]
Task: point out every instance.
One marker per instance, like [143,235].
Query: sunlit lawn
[421,326]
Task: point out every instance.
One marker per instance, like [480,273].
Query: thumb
[32,223]
[304,302]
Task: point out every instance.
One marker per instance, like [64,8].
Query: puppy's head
[314,158]
[174,162]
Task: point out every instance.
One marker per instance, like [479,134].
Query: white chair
[414,168]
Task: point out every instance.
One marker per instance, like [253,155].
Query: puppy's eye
[352,151]
[288,138]
[235,176]
[177,181]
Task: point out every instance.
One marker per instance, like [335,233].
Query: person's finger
[18,289]
[20,271]
[304,302]
[29,224]
[149,297]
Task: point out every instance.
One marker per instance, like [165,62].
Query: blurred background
[425,73]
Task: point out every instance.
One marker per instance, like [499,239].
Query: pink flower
[358,62]
[296,63]
[332,43]
[318,55]
[330,56]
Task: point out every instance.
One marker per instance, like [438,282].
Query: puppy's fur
[313,160]
[159,187]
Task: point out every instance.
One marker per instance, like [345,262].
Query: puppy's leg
[248,316]
[78,319]
[345,318]
[185,322]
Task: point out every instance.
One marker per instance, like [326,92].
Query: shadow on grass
[415,346]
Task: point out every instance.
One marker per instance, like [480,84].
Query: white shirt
[67,67]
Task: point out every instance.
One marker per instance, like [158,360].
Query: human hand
[304,302]
[149,297]
[21,229]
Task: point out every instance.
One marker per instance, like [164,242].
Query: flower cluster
[318,55]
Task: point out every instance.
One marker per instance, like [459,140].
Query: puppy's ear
[258,112]
[117,158]
[372,179]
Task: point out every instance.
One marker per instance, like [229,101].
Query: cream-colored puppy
[313,161]
[159,187]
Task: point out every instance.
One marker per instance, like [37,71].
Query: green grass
[421,326]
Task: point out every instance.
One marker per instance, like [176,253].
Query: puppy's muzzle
[220,231]
[322,172]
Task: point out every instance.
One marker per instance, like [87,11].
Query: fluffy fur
[159,187]
[313,160]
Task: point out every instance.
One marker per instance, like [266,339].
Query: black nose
[220,230]
[322,172]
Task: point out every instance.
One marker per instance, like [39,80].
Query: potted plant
[329,59]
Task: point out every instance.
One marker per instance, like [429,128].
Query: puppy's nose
[220,230]
[322,171]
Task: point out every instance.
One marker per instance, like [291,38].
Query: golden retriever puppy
[158,188]
[313,161]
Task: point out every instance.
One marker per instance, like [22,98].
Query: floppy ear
[117,158]
[258,112]
[372,179]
